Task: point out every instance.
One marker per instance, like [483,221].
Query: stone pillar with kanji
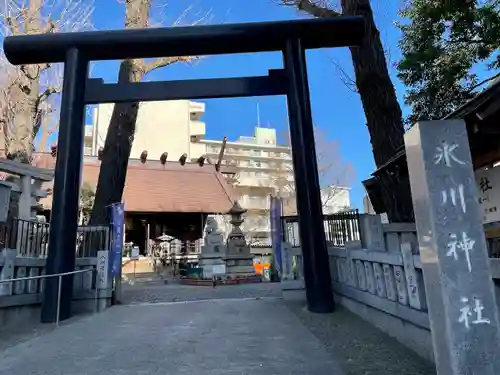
[460,292]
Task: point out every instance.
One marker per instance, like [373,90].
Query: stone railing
[21,300]
[381,280]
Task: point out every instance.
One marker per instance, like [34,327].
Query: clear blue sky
[336,109]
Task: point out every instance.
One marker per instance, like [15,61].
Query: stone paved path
[246,336]
[157,292]
[175,329]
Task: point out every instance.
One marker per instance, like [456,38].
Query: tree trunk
[382,111]
[121,128]
[117,149]
[381,107]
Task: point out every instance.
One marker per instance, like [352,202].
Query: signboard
[134,255]
[488,187]
[117,222]
[276,232]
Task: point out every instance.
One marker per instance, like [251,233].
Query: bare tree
[382,110]
[28,93]
[120,135]
[335,176]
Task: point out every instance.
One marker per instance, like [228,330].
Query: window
[255,152]
[257,164]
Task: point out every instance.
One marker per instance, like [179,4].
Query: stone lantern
[238,258]
[236,213]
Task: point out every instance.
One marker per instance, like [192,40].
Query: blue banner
[117,221]
[276,232]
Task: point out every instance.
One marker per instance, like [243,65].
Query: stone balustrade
[21,300]
[384,285]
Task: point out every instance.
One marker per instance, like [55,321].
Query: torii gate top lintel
[185,41]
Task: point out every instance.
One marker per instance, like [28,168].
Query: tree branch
[14,25]
[318,9]
[166,61]
[483,82]
[346,79]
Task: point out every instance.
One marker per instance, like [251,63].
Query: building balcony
[264,182]
[247,154]
[197,129]
[89,131]
[247,147]
[254,204]
[196,107]
[87,150]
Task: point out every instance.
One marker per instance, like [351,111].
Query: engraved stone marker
[414,291]
[370,279]
[20,286]
[390,283]
[353,278]
[102,269]
[333,266]
[460,292]
[339,270]
[7,271]
[360,270]
[33,284]
[379,280]
[399,276]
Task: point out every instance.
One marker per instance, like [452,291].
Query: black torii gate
[76,50]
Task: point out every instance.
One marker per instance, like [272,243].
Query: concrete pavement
[228,336]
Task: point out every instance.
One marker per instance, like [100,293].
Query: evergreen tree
[442,41]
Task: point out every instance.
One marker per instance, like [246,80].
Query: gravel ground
[361,348]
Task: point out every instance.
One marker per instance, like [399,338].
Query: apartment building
[163,126]
[263,167]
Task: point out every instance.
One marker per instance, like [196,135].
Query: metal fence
[31,237]
[90,239]
[340,228]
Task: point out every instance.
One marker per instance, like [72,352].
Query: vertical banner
[117,221]
[276,232]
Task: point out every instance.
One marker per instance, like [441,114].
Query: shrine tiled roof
[153,187]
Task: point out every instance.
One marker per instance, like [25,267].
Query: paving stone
[249,336]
